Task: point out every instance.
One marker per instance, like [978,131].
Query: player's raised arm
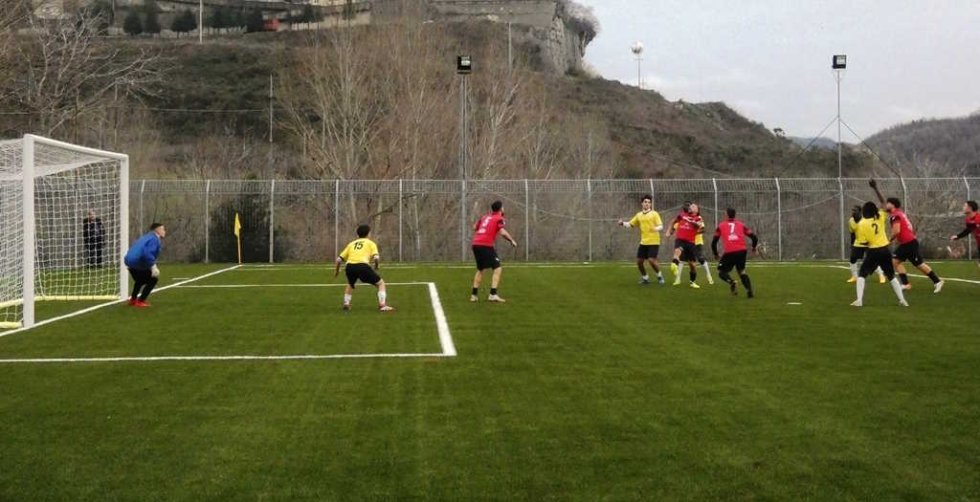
[337,263]
[874,185]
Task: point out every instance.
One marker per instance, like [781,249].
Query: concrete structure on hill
[561,29]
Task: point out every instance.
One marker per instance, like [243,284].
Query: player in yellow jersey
[358,255]
[858,249]
[650,225]
[699,251]
[870,231]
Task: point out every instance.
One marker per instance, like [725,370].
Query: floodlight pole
[839,148]
[200,21]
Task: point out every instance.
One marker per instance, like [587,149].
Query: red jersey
[487,229]
[732,233]
[688,226]
[974,223]
[905,232]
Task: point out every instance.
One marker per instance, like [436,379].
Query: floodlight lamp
[840,62]
[637,48]
[464,65]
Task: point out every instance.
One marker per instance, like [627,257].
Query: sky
[771,59]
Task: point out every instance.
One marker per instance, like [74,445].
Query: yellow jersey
[871,232]
[852,225]
[648,223]
[359,251]
[698,238]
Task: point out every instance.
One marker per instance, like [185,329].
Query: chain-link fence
[554,220]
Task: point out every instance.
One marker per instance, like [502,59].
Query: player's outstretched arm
[874,185]
[966,231]
[377,261]
[337,263]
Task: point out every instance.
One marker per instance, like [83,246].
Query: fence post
[272,220]
[142,189]
[969,241]
[905,195]
[207,221]
[462,220]
[336,217]
[589,191]
[840,185]
[527,221]
[779,218]
[653,200]
[401,189]
[714,184]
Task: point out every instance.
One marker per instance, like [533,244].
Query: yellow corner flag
[238,237]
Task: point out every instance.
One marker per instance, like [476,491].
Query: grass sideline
[585,385]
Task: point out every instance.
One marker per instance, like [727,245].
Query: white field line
[911,276]
[103,305]
[442,326]
[445,338]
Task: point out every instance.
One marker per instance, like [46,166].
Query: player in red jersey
[972,223]
[484,235]
[732,233]
[908,245]
[687,225]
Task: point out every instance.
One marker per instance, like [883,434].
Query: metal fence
[430,220]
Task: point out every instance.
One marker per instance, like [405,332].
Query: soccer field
[252,383]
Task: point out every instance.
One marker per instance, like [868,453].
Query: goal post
[64,226]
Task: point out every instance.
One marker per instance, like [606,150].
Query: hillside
[383,101]
[946,147]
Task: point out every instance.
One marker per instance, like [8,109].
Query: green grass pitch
[585,386]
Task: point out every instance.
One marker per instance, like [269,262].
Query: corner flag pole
[238,237]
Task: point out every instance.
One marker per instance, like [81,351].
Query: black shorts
[647,251]
[909,252]
[361,272]
[486,257]
[734,260]
[689,252]
[699,252]
[877,257]
[857,253]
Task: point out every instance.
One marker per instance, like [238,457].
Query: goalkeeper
[141,259]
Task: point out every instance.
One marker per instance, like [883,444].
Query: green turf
[584,386]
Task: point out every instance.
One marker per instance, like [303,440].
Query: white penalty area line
[913,276]
[442,327]
[107,304]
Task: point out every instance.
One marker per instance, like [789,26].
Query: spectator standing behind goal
[484,235]
[972,223]
[141,260]
[359,254]
[93,235]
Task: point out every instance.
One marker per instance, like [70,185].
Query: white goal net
[63,227]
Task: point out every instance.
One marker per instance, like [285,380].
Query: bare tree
[64,70]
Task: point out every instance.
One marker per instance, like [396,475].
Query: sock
[746,281]
[707,269]
[934,277]
[854,269]
[347,299]
[382,296]
[693,274]
[903,278]
[645,277]
[897,287]
[860,289]
[725,277]
[659,274]
[476,291]
[493,291]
